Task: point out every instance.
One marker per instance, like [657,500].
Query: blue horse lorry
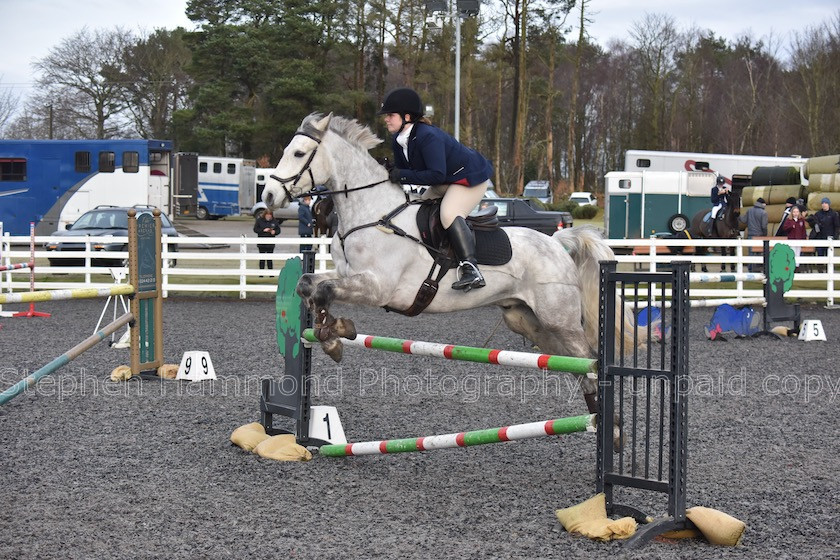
[53,182]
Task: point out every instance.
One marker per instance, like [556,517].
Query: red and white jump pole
[31,311]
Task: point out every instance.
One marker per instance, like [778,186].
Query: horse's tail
[586,246]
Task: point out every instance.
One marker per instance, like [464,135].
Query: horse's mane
[351,130]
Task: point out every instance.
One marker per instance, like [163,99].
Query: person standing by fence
[794,228]
[306,222]
[825,224]
[756,220]
[266,226]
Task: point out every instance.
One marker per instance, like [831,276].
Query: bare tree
[8,104]
[78,69]
[656,39]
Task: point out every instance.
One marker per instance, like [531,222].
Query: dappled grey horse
[548,291]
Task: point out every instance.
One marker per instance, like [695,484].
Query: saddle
[492,248]
[492,245]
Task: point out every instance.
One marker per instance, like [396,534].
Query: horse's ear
[324,123]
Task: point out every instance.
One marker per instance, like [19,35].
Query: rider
[720,199]
[426,155]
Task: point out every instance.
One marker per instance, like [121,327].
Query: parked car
[541,190]
[290,212]
[520,212]
[104,221]
[583,198]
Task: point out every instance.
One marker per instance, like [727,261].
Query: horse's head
[301,167]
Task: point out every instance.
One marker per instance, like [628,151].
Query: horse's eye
[299,154]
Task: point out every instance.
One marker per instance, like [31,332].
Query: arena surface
[95,469]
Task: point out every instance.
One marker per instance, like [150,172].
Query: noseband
[305,169]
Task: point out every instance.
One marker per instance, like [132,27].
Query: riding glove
[394,175]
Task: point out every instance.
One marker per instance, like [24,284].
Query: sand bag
[121,373]
[282,448]
[168,371]
[822,164]
[718,527]
[590,519]
[249,436]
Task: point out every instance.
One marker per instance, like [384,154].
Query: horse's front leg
[320,293]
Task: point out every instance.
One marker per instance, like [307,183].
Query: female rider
[426,155]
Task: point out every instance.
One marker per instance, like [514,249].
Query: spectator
[825,224]
[266,226]
[789,204]
[306,222]
[794,228]
[756,220]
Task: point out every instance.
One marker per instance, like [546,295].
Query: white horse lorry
[659,192]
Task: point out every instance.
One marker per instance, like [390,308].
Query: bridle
[307,168]
[384,222]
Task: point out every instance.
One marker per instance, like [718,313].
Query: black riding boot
[463,242]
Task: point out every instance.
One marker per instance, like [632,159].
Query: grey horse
[548,291]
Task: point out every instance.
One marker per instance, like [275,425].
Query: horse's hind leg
[558,337]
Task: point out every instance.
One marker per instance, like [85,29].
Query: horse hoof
[345,328]
[322,333]
[334,349]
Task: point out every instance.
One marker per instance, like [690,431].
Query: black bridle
[307,168]
[385,221]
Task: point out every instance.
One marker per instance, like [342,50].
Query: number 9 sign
[196,366]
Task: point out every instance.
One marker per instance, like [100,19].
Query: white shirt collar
[402,138]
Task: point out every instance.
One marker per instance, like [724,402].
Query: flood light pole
[463,9]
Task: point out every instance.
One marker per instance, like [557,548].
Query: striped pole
[710,278]
[62,360]
[715,302]
[578,366]
[55,295]
[573,424]
[17,266]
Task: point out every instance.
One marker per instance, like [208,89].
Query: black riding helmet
[720,179]
[402,101]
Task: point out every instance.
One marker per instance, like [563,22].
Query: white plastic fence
[228,265]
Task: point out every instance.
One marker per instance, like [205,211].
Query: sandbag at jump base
[775,176]
[776,194]
[815,200]
[824,182]
[822,164]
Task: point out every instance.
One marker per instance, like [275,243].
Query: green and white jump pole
[568,364]
[146,316]
[573,424]
[65,358]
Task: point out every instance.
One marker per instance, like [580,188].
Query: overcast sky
[29,28]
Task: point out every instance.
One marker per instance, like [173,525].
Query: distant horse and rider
[718,222]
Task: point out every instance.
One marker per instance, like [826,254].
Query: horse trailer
[638,205]
[210,187]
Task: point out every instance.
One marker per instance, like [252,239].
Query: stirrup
[468,279]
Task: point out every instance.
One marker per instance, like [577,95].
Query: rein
[384,221]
